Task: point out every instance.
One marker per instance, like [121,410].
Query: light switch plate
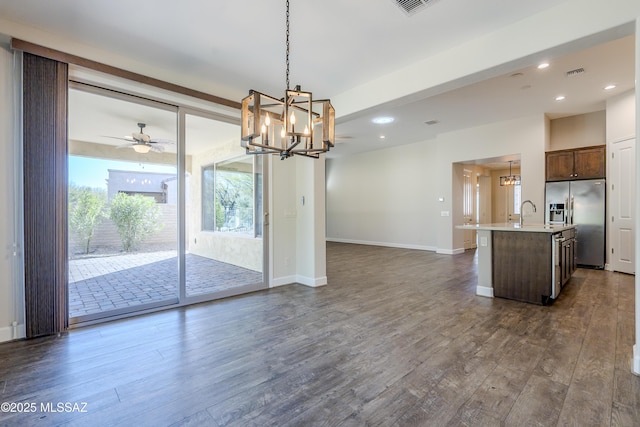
[444,213]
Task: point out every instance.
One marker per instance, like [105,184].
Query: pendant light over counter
[511,179]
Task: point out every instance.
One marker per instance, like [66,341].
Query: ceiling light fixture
[609,87]
[543,65]
[510,179]
[560,98]
[295,124]
[383,120]
[141,148]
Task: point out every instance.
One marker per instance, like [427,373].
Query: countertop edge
[527,228]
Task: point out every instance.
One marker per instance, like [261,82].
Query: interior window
[516,199]
[208,198]
[228,196]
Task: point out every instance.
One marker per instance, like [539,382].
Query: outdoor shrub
[234,200]
[135,217]
[86,211]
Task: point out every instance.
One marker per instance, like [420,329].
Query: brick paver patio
[114,282]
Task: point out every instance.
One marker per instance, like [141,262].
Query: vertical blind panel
[45,84]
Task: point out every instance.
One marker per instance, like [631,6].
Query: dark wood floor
[398,337]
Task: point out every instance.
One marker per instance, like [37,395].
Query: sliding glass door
[165,208]
[223,211]
[122,217]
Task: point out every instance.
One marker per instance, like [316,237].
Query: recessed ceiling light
[560,98]
[382,137]
[383,120]
[609,87]
[543,65]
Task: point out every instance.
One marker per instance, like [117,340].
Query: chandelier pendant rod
[287,44]
[287,125]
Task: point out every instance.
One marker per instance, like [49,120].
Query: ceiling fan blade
[117,137]
[162,141]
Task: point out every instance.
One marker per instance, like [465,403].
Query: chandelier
[295,124]
[511,179]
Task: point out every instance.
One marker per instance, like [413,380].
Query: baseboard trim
[636,360]
[484,291]
[450,251]
[7,333]
[312,282]
[385,244]
[303,280]
[282,281]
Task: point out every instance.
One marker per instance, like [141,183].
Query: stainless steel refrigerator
[581,203]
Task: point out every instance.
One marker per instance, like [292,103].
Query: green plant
[86,211]
[135,217]
[233,196]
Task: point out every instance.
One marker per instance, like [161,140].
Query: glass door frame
[182,219]
[144,307]
[182,299]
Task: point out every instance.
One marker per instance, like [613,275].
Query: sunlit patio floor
[106,283]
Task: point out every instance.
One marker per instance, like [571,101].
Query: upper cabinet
[581,163]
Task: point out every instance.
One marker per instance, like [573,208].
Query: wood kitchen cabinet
[532,267]
[582,163]
[522,266]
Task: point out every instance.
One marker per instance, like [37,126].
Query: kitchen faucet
[522,206]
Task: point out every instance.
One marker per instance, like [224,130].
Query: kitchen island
[528,263]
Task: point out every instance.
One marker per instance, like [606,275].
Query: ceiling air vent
[411,7]
[575,73]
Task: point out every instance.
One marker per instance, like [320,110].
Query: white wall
[526,136]
[233,248]
[582,130]
[390,197]
[385,197]
[311,225]
[10,297]
[297,232]
[620,126]
[283,221]
[621,117]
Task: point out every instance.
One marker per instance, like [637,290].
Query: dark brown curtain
[45,84]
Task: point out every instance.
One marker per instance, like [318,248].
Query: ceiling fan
[142,143]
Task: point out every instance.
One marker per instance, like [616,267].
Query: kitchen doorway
[484,199]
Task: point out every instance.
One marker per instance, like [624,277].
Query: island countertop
[514,226]
[529,263]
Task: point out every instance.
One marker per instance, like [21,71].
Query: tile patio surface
[115,282]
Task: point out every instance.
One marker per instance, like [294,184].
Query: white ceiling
[100,119]
[228,47]
[522,92]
